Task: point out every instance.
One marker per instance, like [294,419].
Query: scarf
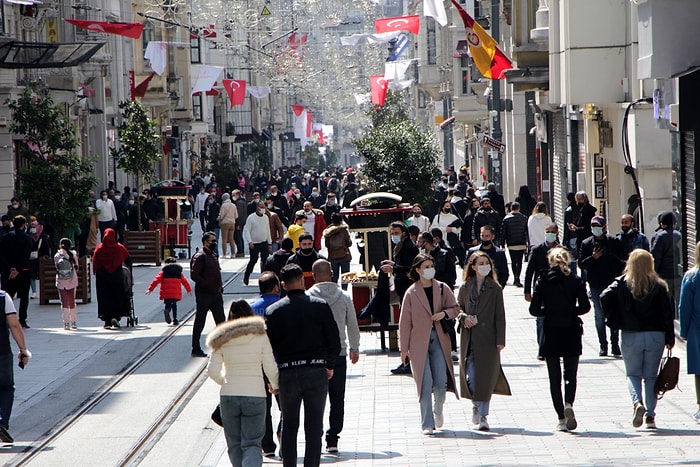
[474,297]
[109,254]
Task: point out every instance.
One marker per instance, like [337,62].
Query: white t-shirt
[9,305]
[310,223]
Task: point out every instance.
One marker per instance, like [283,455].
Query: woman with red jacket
[170,278]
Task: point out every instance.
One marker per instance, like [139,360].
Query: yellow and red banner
[488,57]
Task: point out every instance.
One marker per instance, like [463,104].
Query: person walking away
[536,223]
[227,221]
[277,260]
[239,201]
[256,233]
[276,226]
[213,208]
[338,243]
[348,330]
[496,198]
[240,356]
[645,320]
[560,298]
[538,265]
[113,296]
[201,206]
[171,280]
[424,342]
[497,255]
[514,236]
[10,325]
[602,258]
[666,248]
[205,272]
[306,344]
[630,238]
[526,200]
[15,251]
[42,246]
[689,317]
[269,286]
[482,322]
[67,267]
[305,257]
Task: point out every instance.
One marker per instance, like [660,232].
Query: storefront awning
[18,54]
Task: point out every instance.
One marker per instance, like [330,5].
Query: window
[432,41]
[197,106]
[195,50]
[148,34]
[465,74]
[421,100]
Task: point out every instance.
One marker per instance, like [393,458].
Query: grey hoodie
[343,313]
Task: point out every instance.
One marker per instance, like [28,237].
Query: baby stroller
[131,318]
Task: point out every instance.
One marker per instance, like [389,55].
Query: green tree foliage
[260,153]
[399,157]
[311,157]
[56,181]
[225,168]
[332,158]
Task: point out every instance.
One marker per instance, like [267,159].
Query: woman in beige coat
[228,214]
[482,326]
[423,339]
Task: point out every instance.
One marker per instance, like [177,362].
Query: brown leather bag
[667,378]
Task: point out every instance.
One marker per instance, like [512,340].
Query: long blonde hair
[640,274]
[559,257]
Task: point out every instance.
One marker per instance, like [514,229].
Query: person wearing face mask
[424,342]
[315,223]
[450,225]
[331,207]
[482,326]
[316,198]
[108,213]
[485,215]
[537,265]
[120,208]
[514,235]
[418,219]
[466,238]
[16,208]
[15,250]
[205,272]
[259,239]
[201,207]
[602,258]
[630,238]
[497,255]
[273,208]
[580,225]
[305,257]
[296,201]
[228,214]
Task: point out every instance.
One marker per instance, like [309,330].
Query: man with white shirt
[256,234]
[315,224]
[201,206]
[108,213]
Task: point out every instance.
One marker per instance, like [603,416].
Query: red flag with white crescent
[378,84]
[398,23]
[132,30]
[235,90]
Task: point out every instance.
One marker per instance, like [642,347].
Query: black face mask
[580,204]
[486,242]
[447,211]
[212,245]
[306,251]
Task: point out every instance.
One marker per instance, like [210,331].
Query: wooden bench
[143,247]
[47,281]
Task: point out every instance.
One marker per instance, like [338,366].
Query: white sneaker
[696,416]
[33,295]
[483,424]
[561,426]
[428,431]
[570,418]
[475,415]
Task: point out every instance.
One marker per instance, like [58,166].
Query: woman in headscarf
[41,246]
[110,281]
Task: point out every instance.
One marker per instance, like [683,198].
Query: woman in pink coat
[424,340]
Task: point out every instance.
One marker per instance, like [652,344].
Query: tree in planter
[260,153]
[311,156]
[225,168]
[399,157]
[139,148]
[56,180]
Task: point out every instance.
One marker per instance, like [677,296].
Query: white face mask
[483,269]
[428,273]
[550,237]
[597,231]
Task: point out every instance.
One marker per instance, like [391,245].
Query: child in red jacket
[170,278]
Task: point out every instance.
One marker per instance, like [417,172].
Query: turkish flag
[378,84]
[398,23]
[297,109]
[132,30]
[235,90]
[140,90]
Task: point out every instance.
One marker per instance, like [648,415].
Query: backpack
[65,268]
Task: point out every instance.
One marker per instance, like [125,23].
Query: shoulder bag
[667,378]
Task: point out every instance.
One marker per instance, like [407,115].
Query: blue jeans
[600,320]
[310,386]
[482,406]
[336,398]
[7,389]
[244,427]
[339,268]
[642,352]
[434,382]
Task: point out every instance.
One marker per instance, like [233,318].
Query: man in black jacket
[667,253]
[15,249]
[205,272]
[486,215]
[514,235]
[496,198]
[602,258]
[306,344]
[498,255]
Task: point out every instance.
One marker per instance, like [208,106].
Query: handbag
[667,378]
[216,416]
[35,253]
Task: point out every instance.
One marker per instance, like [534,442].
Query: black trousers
[259,249]
[554,370]
[516,263]
[18,286]
[205,302]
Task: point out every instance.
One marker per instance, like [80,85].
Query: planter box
[47,281]
[143,247]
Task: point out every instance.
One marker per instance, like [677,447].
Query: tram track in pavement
[156,429]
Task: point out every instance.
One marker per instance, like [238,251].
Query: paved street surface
[382,425]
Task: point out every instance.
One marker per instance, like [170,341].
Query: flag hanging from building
[488,57]
[300,121]
[398,48]
[378,84]
[398,23]
[235,90]
[157,54]
[206,77]
[435,9]
[140,90]
[132,30]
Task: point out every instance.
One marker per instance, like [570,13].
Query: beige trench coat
[486,335]
[415,324]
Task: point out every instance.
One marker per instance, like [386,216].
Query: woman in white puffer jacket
[536,224]
[240,352]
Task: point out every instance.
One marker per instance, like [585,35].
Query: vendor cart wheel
[129,322]
[136,320]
